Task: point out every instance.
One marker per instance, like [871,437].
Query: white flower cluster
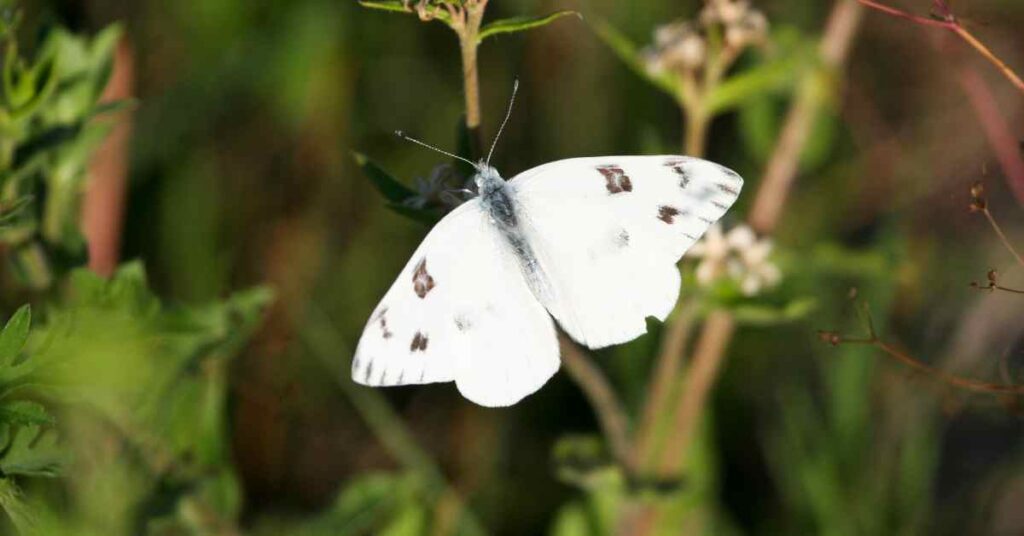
[682,46]
[738,255]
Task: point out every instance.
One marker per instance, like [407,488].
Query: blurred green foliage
[47,134]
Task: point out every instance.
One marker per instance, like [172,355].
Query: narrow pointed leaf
[770,77]
[519,24]
[14,335]
[396,6]
[388,186]
[386,5]
[630,54]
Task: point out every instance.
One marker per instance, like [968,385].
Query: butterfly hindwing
[460,310]
[608,232]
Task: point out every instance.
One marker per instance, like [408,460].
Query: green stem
[469,32]
[19,512]
[321,340]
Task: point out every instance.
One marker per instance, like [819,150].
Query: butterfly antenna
[511,101]
[406,137]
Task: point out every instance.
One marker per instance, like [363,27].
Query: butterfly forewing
[460,310]
[608,232]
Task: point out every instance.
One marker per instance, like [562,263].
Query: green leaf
[12,500]
[520,24]
[24,413]
[388,186]
[14,335]
[578,458]
[386,5]
[630,54]
[774,76]
[367,504]
[395,6]
[33,451]
[766,315]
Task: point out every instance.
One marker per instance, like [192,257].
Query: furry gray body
[498,202]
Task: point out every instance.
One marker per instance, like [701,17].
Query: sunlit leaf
[519,24]
[33,451]
[14,335]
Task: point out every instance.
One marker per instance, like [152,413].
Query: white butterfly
[593,242]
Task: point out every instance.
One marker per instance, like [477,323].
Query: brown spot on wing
[616,180]
[422,282]
[382,321]
[728,189]
[728,172]
[419,343]
[676,165]
[667,214]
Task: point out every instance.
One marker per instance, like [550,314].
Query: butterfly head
[487,178]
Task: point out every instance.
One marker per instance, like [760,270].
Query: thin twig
[951,23]
[1002,235]
[904,14]
[992,287]
[953,380]
[610,413]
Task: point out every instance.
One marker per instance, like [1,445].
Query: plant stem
[468,30]
[700,377]
[771,197]
[987,54]
[950,22]
[103,205]
[780,173]
[322,341]
[610,413]
[663,379]
[1002,236]
[967,384]
[696,133]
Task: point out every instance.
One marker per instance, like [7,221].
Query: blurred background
[205,389]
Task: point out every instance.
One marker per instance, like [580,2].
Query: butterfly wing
[609,231]
[460,310]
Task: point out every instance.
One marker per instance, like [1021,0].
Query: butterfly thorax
[501,207]
[496,197]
